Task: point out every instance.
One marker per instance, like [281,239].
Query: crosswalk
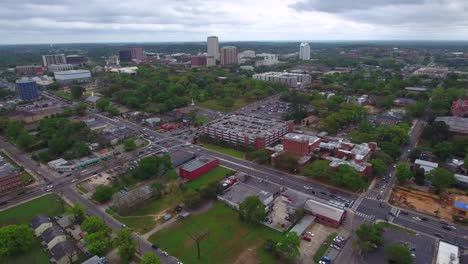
[365,216]
[374,198]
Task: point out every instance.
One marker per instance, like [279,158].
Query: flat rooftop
[197,163]
[456,124]
[247,125]
[302,137]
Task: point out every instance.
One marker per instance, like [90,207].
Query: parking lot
[272,108]
[308,249]
[422,246]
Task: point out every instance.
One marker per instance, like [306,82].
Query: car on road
[403,212]
[438,235]
[424,218]
[3,203]
[154,246]
[447,228]
[165,253]
[452,227]
[307,187]
[416,218]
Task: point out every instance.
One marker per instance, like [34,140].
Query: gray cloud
[338,6]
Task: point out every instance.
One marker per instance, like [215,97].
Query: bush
[103,193]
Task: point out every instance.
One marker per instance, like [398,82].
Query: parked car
[154,246]
[306,238]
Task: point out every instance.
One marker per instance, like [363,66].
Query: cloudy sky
[66,21]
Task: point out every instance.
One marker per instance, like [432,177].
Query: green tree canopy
[369,237]
[150,258]
[441,179]
[252,210]
[129,144]
[403,172]
[289,245]
[319,169]
[103,193]
[76,91]
[286,161]
[126,244]
[97,243]
[94,224]
[15,239]
[399,254]
[78,212]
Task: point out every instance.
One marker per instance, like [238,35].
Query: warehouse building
[198,167]
[248,131]
[325,213]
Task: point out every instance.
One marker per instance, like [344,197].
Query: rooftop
[51,233]
[38,220]
[461,202]
[239,191]
[197,163]
[62,249]
[456,124]
[447,254]
[302,137]
[322,209]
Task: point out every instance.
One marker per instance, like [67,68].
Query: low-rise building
[237,193]
[310,120]
[96,157]
[293,80]
[460,107]
[426,165]
[460,207]
[10,178]
[325,214]
[40,223]
[60,67]
[416,89]
[67,77]
[53,235]
[198,167]
[300,144]
[125,201]
[457,125]
[447,254]
[29,70]
[64,253]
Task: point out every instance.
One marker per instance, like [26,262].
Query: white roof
[426,163]
[322,209]
[447,254]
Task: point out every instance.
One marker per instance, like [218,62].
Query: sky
[84,21]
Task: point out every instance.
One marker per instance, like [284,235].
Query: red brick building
[10,178]
[197,167]
[198,61]
[460,107]
[29,70]
[300,144]
[325,214]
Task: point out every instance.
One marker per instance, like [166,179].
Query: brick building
[10,178]
[198,167]
[300,144]
[198,61]
[325,214]
[460,107]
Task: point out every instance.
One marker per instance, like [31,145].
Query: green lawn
[215,175]
[227,237]
[154,206]
[215,104]
[23,214]
[323,248]
[66,95]
[228,151]
[27,178]
[140,224]
[35,255]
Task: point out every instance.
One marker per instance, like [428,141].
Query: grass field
[66,95]
[217,106]
[227,237]
[323,248]
[228,151]
[26,177]
[215,175]
[34,255]
[23,214]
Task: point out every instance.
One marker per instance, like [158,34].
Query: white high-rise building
[213,47]
[304,51]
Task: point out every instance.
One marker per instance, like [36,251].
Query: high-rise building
[213,47]
[137,53]
[304,51]
[125,55]
[75,59]
[53,59]
[198,61]
[60,67]
[228,55]
[27,90]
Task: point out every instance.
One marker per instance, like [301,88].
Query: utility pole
[198,237]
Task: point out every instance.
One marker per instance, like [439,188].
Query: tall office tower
[26,89]
[53,59]
[137,53]
[228,55]
[125,56]
[213,47]
[304,51]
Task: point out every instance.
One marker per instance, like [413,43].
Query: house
[92,100]
[40,223]
[325,214]
[64,253]
[426,165]
[53,235]
[96,260]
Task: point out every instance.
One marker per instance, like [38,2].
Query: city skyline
[46,21]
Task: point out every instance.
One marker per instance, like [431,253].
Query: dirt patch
[249,256]
[423,202]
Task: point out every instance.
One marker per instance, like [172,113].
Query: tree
[24,140]
[379,168]
[148,167]
[76,91]
[150,258]
[441,179]
[286,161]
[415,154]
[192,198]
[126,244]
[103,193]
[419,176]
[53,86]
[80,109]
[102,104]
[93,224]
[97,243]
[399,254]
[369,237]
[289,245]
[416,110]
[252,210]
[261,156]
[403,172]
[15,239]
[78,212]
[443,149]
[319,169]
[129,144]
[435,132]
[348,177]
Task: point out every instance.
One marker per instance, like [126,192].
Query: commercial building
[213,47]
[29,70]
[136,53]
[228,55]
[53,59]
[304,51]
[125,56]
[268,59]
[96,157]
[434,72]
[126,70]
[457,125]
[416,89]
[180,157]
[126,200]
[10,178]
[460,107]
[67,77]
[325,214]
[198,61]
[248,131]
[293,80]
[300,144]
[447,254]
[75,59]
[427,166]
[26,89]
[198,167]
[60,67]
[237,193]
